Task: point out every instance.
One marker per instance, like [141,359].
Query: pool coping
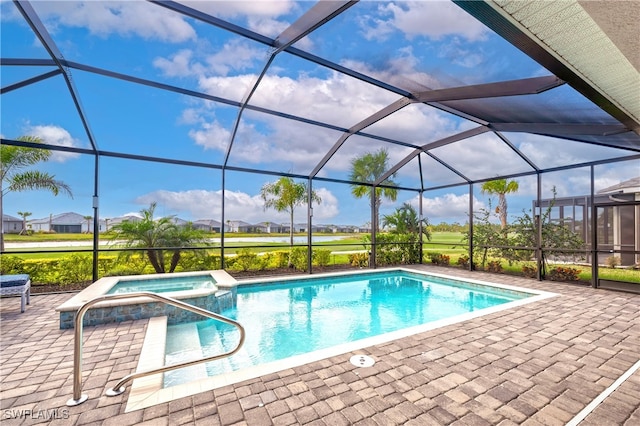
[150,392]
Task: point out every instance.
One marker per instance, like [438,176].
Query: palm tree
[88,219]
[284,195]
[24,216]
[501,187]
[367,169]
[13,159]
[154,235]
[405,220]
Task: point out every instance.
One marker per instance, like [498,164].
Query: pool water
[289,318]
[164,285]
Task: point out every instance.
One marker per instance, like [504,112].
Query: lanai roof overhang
[533,105]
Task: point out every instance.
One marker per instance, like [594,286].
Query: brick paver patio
[539,364]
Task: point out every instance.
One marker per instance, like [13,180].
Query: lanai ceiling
[576,88]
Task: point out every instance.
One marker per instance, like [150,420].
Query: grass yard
[446,243]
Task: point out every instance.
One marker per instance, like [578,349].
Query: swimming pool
[284,319]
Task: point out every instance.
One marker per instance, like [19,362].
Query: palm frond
[35,180]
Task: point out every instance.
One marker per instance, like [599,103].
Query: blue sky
[413,45]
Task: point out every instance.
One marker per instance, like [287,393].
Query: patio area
[540,364]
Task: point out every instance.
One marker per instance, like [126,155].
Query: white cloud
[447,207]
[259,16]
[400,70]
[433,19]
[232,87]
[268,26]
[482,157]
[179,64]
[202,204]
[252,9]
[55,135]
[104,18]
[328,207]
[336,99]
[236,55]
[125,18]
[211,136]
[460,54]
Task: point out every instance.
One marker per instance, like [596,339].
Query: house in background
[106,224]
[618,223]
[618,219]
[270,228]
[64,223]
[239,226]
[208,225]
[11,225]
[179,222]
[297,227]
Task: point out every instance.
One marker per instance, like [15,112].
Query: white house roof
[208,222]
[274,224]
[628,186]
[239,223]
[68,218]
[178,221]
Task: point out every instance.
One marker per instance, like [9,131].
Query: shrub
[612,261]
[394,249]
[299,258]
[358,260]
[321,257]
[463,261]
[76,268]
[563,273]
[529,271]
[120,270]
[11,265]
[494,266]
[105,264]
[281,259]
[439,258]
[132,265]
[199,261]
[263,261]
[245,259]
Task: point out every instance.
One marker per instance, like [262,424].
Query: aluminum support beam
[41,32]
[552,129]
[506,26]
[321,13]
[527,86]
[442,142]
[384,112]
[29,81]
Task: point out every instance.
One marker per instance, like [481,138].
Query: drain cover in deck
[362,361]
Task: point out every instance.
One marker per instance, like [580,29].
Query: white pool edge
[145,395]
[102,286]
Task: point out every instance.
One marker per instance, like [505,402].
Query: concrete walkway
[540,364]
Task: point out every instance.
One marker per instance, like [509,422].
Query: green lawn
[448,243]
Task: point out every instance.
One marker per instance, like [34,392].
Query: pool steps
[183,344]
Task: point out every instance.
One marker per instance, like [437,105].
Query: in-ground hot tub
[214,291]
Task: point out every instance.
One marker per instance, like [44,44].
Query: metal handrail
[79,398]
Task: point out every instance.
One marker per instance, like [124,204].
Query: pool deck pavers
[538,364]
